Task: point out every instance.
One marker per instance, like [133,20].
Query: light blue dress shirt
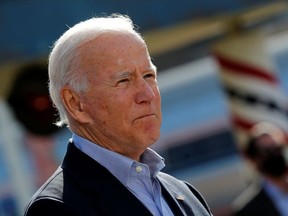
[279,197]
[138,177]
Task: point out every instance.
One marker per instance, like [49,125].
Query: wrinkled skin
[121,110]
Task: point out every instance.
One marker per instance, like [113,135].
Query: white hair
[64,62]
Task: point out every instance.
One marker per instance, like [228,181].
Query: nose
[145,92]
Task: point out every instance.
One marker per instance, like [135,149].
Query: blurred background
[223,66]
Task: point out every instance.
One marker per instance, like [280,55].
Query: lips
[144,116]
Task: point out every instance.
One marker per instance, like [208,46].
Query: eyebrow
[125,74]
[121,75]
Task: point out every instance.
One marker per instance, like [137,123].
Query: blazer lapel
[173,198]
[180,198]
[111,196]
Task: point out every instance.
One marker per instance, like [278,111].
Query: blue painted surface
[192,104]
[29,28]
[282,68]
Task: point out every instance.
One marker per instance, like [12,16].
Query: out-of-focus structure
[200,94]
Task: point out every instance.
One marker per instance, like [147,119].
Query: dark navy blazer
[83,187]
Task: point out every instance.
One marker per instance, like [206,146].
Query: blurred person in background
[28,137]
[34,111]
[104,85]
[267,151]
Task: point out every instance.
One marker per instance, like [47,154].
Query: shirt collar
[118,164]
[153,160]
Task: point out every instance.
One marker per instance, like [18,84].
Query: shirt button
[138,169]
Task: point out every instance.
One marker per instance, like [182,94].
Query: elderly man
[104,85]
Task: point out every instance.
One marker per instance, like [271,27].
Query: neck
[130,151]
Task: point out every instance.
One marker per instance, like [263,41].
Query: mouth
[144,116]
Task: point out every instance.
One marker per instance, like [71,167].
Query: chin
[152,139]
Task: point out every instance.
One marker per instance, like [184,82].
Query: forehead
[114,50]
[111,42]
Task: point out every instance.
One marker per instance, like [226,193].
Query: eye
[149,76]
[122,81]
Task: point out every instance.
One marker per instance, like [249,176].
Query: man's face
[123,101]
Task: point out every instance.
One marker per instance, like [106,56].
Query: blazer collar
[173,197]
[183,199]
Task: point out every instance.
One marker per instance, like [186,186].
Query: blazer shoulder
[51,192]
[53,187]
[48,207]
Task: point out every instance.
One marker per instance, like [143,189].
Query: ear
[72,103]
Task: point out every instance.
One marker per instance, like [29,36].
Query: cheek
[104,110]
[95,106]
